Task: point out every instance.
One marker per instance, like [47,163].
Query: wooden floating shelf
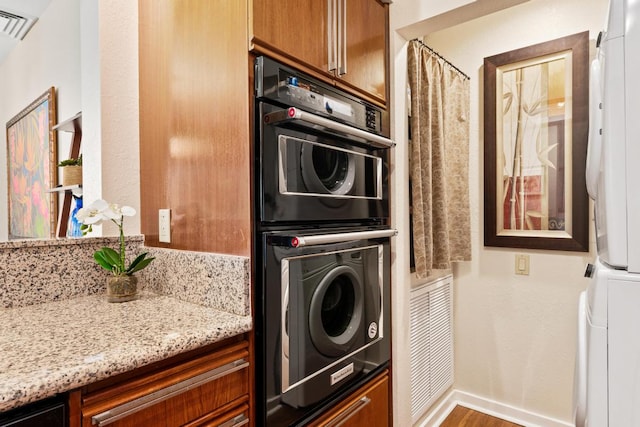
[61,188]
[73,125]
[70,125]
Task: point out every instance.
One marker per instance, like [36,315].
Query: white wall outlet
[522,264]
[164,225]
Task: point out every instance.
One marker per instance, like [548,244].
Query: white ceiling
[28,9]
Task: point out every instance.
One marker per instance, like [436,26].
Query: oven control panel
[290,88]
[373,119]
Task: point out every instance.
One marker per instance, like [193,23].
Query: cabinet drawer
[174,396]
[228,416]
[367,407]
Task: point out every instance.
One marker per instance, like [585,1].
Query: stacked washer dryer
[608,360]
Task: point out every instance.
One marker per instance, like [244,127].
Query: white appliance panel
[597,408]
[611,341]
[613,170]
[596,318]
[594,149]
[609,313]
[624,351]
[610,203]
[580,372]
[632,100]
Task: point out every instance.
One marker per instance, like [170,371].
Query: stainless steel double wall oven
[322,256]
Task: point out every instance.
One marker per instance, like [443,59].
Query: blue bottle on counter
[73,230]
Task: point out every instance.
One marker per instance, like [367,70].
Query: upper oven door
[314,169]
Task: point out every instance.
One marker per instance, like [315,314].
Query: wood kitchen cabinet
[195,143]
[316,37]
[368,407]
[195,92]
[210,388]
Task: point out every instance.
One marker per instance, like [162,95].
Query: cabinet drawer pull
[332,34]
[238,421]
[126,409]
[349,412]
[342,37]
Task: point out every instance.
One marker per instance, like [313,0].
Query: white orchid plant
[108,258]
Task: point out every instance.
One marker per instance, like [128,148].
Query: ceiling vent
[15,26]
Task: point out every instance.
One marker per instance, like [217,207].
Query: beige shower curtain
[439,161]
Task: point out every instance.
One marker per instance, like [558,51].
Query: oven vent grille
[431,343]
[15,26]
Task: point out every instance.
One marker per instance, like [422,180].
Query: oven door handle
[293,114]
[323,239]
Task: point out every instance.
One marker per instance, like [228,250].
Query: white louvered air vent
[431,343]
[15,26]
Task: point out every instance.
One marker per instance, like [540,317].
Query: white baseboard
[490,407]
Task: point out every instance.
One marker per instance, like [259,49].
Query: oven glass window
[331,167]
[313,168]
[337,306]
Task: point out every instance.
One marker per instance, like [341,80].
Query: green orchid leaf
[136,264]
[112,256]
[102,262]
[140,265]
[99,255]
[137,260]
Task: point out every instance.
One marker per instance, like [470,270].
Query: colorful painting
[31,162]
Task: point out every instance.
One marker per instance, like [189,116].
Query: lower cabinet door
[210,391]
[368,407]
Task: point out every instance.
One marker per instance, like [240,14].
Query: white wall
[514,335]
[88,50]
[48,56]
[410,12]
[120,138]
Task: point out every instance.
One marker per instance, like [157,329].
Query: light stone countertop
[58,346]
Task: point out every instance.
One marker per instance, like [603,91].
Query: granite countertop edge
[56,347]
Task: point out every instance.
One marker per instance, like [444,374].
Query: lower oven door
[326,302]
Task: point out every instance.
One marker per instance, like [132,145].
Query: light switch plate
[164,225]
[522,264]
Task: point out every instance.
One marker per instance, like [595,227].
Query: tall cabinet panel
[194,124]
[366,53]
[343,42]
[295,29]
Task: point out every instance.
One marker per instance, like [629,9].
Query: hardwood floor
[465,417]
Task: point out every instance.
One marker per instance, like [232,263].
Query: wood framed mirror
[536,120]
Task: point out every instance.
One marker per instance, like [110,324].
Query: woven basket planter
[71,175]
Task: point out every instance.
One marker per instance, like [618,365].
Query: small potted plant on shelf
[71,171]
[122,285]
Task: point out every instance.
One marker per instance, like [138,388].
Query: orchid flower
[108,258]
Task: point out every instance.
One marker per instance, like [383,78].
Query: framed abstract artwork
[31,168]
[536,121]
